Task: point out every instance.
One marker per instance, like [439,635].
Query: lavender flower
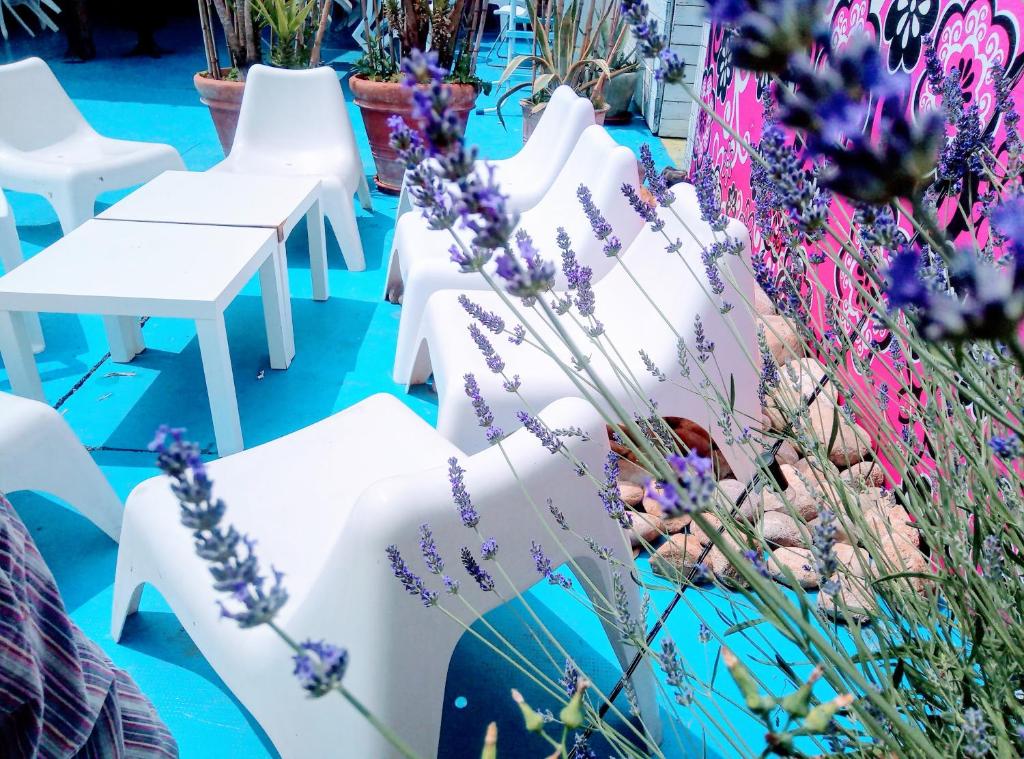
[675,675]
[654,180]
[467,513]
[629,628]
[578,278]
[756,558]
[558,515]
[977,744]
[526,275]
[546,437]
[488,319]
[992,558]
[652,369]
[428,548]
[451,586]
[543,564]
[491,357]
[704,346]
[709,195]
[636,13]
[691,490]
[405,142]
[410,581]
[609,491]
[232,560]
[483,412]
[489,548]
[479,574]
[769,378]
[570,678]
[823,544]
[320,667]
[704,633]
[644,210]
[1006,447]
[600,226]
[962,154]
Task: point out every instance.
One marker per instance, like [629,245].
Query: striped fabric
[60,696]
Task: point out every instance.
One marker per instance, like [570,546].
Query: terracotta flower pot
[378,101]
[530,119]
[224,99]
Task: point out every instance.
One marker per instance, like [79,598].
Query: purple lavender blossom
[540,430]
[653,178]
[705,347]
[467,512]
[636,13]
[598,223]
[410,581]
[690,491]
[489,548]
[1006,447]
[483,579]
[320,667]
[231,557]
[756,558]
[823,544]
[491,357]
[526,275]
[558,515]
[644,210]
[428,548]
[709,195]
[488,319]
[407,143]
[675,675]
[609,491]
[451,585]
[484,416]
[471,260]
[543,564]
[570,678]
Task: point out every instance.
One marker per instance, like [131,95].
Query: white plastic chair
[38,451]
[296,122]
[514,26]
[323,510]
[422,263]
[677,285]
[10,257]
[47,147]
[527,175]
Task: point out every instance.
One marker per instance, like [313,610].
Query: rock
[645,529]
[634,473]
[780,529]
[851,444]
[731,489]
[855,602]
[630,494]
[652,507]
[676,556]
[799,561]
[814,469]
[798,497]
[763,305]
[787,454]
[870,473]
[783,341]
[797,379]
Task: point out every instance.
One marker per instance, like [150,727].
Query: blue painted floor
[345,348]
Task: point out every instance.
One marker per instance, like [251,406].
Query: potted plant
[452,29]
[220,88]
[296,30]
[573,45]
[619,91]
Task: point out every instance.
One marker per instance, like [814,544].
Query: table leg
[317,250]
[16,349]
[124,335]
[220,384]
[275,314]
[286,299]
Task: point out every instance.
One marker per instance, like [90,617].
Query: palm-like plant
[572,46]
[295,31]
[241,32]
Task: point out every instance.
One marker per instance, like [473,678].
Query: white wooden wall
[667,109]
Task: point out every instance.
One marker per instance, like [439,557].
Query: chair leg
[73,209]
[11,257]
[342,216]
[75,478]
[365,199]
[599,588]
[128,583]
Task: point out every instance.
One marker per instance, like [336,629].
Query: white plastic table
[122,270]
[236,200]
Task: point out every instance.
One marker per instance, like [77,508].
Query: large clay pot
[531,119]
[619,95]
[378,101]
[224,99]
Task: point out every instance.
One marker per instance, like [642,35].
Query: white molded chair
[422,263]
[38,451]
[527,175]
[296,122]
[47,148]
[10,257]
[679,288]
[323,509]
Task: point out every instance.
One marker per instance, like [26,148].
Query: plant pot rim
[524,102]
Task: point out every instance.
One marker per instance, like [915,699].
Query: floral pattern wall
[973,36]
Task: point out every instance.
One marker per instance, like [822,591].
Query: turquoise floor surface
[344,353]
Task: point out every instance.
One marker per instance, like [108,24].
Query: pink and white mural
[973,36]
